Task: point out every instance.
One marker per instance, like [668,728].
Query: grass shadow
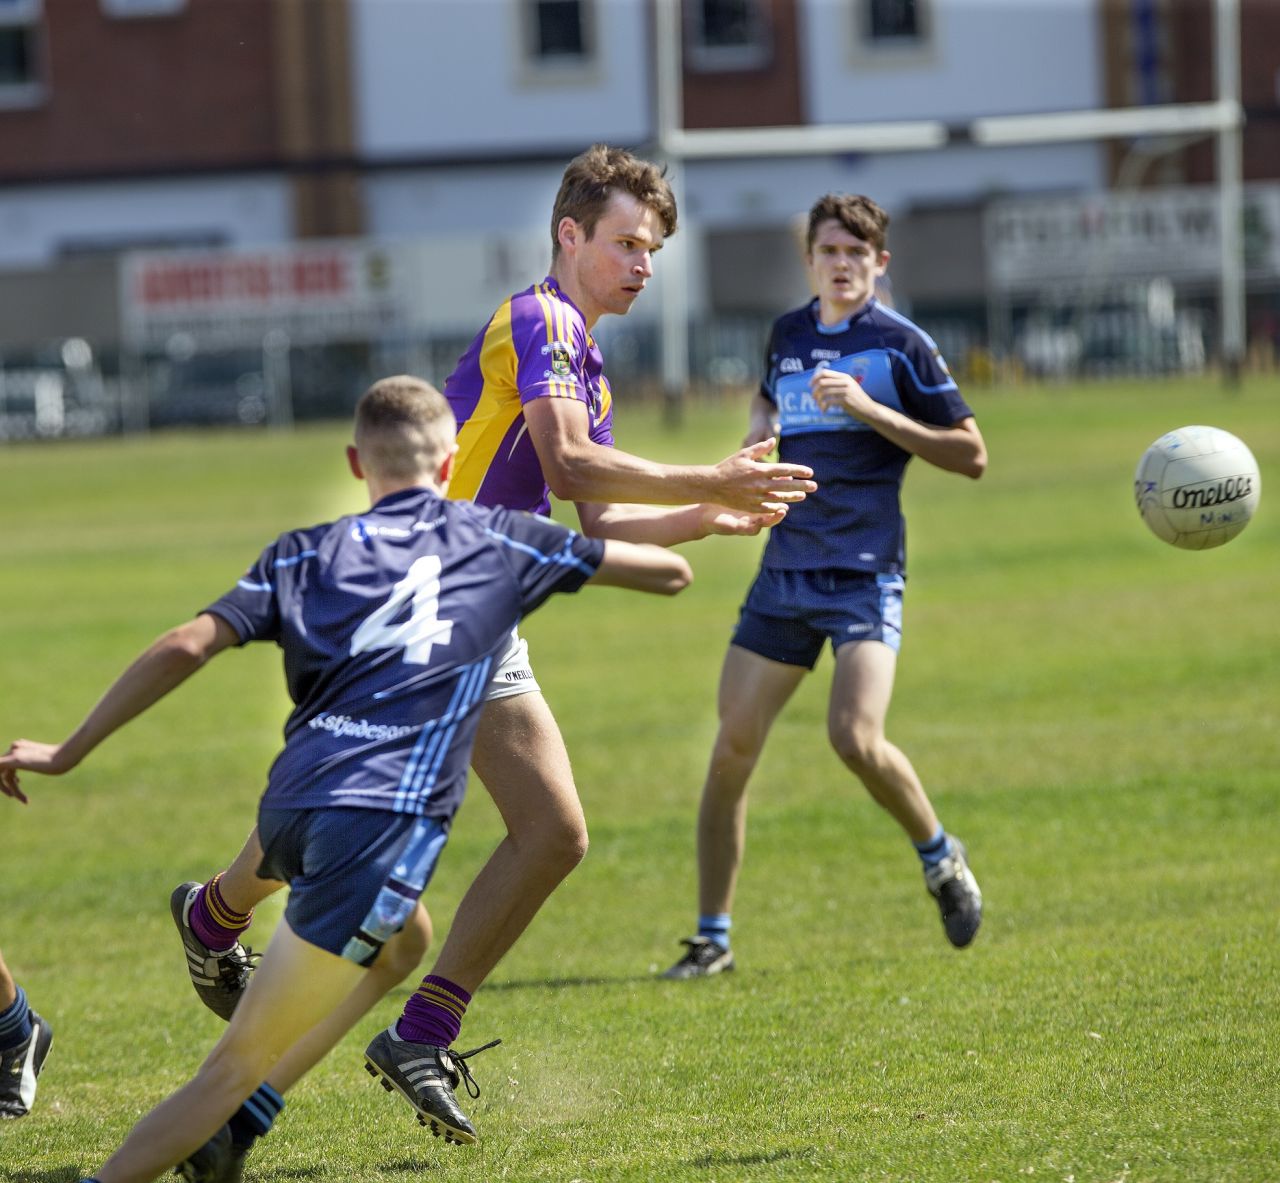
[761,1158]
[558,983]
[417,1165]
[288,1173]
[619,980]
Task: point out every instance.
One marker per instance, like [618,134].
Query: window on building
[727,34]
[129,9]
[890,23]
[558,32]
[21,63]
[17,55]
[133,9]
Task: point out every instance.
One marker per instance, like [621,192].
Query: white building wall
[40,221]
[449,77]
[985,57]
[478,199]
[736,194]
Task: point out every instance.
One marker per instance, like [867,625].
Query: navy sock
[15,1022]
[715,927]
[255,1117]
[935,849]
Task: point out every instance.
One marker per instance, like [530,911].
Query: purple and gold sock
[216,925]
[434,1013]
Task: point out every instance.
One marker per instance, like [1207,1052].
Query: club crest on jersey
[561,358]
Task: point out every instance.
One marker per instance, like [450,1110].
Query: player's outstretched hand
[27,754]
[745,483]
[719,520]
[9,785]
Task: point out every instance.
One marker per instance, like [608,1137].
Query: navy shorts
[789,615]
[354,875]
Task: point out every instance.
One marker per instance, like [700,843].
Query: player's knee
[567,846]
[556,842]
[859,747]
[738,743]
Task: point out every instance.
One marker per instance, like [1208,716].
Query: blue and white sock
[15,1023]
[255,1117]
[715,927]
[935,849]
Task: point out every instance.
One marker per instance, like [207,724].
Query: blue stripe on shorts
[355,875]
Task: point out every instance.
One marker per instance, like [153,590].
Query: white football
[1197,487]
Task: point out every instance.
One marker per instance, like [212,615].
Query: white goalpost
[1222,118]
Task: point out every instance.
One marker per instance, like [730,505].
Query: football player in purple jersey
[391,622]
[853,390]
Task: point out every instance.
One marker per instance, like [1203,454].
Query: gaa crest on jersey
[561,358]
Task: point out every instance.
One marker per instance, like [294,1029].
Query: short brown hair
[857,214]
[404,428]
[595,175]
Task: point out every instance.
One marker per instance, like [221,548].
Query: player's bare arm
[642,567]
[671,525]
[163,666]
[959,448]
[763,421]
[578,469]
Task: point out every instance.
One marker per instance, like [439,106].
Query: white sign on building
[322,292]
[1035,242]
[330,291]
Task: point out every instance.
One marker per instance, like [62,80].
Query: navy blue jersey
[390,622]
[854,521]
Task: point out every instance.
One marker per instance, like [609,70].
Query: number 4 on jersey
[421,630]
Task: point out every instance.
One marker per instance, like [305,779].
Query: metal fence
[67,391]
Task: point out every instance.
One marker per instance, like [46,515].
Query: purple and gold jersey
[535,346]
[854,521]
[391,622]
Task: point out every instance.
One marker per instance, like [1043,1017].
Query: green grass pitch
[1096,713]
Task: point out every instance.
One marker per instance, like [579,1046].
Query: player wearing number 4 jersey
[854,390]
[391,622]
